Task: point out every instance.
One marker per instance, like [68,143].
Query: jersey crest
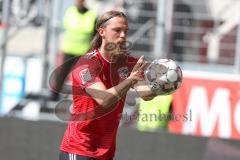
[123,72]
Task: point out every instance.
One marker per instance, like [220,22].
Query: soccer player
[101,79]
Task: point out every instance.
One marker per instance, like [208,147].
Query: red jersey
[93,130]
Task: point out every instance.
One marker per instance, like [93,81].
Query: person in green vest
[153,114]
[79,29]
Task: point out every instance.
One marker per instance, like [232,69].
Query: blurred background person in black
[79,28]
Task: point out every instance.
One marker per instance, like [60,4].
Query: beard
[117,56]
[116,50]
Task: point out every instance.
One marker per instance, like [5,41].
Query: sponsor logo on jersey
[85,76]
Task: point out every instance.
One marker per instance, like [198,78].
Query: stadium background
[202,36]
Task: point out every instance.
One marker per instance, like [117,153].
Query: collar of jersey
[103,56]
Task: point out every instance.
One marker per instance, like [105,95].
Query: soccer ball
[163,76]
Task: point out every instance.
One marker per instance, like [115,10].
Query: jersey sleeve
[86,72]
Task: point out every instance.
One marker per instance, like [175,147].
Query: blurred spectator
[180,34]
[79,25]
[154,114]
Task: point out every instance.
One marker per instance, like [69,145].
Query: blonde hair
[102,22]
